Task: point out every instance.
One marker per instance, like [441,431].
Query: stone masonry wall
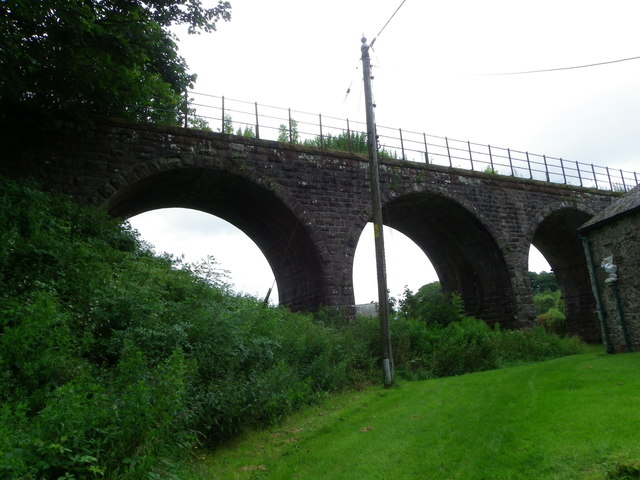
[620,239]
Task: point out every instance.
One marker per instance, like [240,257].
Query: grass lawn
[575,417]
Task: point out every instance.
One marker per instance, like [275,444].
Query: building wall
[618,301]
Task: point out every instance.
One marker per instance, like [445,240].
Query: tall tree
[113,57]
[543,282]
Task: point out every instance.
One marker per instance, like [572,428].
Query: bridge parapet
[294,126]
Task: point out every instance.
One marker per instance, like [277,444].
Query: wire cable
[385,25]
[559,69]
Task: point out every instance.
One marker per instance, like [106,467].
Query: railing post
[635,175]
[257,122]
[546,167]
[470,156]
[321,137]
[529,165]
[426,150]
[186,108]
[609,177]
[579,174]
[564,176]
[222,130]
[510,162]
[290,129]
[448,152]
[402,144]
[491,160]
[595,179]
[624,184]
[348,136]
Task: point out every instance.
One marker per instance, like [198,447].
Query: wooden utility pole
[372,144]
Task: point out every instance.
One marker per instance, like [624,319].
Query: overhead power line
[385,25]
[560,68]
[374,40]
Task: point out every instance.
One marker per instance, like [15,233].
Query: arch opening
[557,240]
[407,265]
[194,236]
[464,255]
[537,262]
[278,233]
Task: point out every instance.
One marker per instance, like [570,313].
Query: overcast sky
[434,68]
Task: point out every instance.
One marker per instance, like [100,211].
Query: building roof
[630,202]
[367,309]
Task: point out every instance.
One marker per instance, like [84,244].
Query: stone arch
[554,232]
[462,250]
[266,214]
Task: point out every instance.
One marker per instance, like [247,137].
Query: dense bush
[114,362]
[431,305]
[549,307]
[347,141]
[433,337]
[545,301]
[553,321]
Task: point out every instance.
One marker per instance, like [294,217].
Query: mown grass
[576,417]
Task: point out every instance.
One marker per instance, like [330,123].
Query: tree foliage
[289,134]
[543,282]
[549,306]
[431,305]
[113,57]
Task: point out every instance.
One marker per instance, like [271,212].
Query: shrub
[624,471]
[348,141]
[514,347]
[464,346]
[549,308]
[553,321]
[543,302]
[289,134]
[39,352]
[433,337]
[430,305]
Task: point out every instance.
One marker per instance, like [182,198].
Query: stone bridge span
[306,208]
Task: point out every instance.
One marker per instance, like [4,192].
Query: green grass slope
[576,417]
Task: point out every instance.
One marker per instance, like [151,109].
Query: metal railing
[276,123]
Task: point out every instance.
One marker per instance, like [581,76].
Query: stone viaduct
[306,208]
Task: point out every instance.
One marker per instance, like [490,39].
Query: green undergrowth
[116,363]
[571,418]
